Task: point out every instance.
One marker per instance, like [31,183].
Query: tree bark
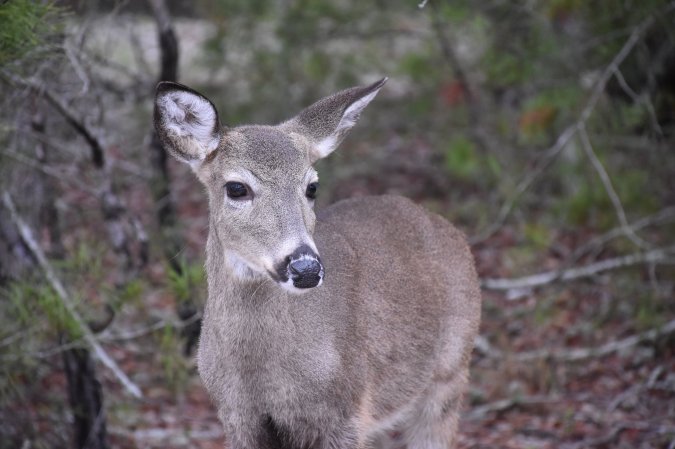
[84,390]
[85,398]
[161,182]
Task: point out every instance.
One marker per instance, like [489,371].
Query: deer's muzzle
[303,268]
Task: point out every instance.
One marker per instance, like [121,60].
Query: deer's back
[413,282]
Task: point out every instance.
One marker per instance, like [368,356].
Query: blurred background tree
[544,129]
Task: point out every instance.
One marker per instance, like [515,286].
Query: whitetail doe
[375,351]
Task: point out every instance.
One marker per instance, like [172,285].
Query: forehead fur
[264,150]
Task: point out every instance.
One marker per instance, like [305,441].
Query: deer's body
[376,352]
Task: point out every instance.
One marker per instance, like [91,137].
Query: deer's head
[259,179]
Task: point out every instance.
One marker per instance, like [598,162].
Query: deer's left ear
[326,123]
[186,122]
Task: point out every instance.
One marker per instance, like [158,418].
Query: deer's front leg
[343,436]
[250,432]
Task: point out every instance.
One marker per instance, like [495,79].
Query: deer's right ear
[186,122]
[327,122]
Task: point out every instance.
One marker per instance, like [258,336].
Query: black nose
[306,272]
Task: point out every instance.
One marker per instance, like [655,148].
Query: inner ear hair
[186,122]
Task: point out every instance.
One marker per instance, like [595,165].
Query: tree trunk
[85,398]
[84,390]
[166,214]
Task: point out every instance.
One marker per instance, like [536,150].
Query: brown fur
[382,348]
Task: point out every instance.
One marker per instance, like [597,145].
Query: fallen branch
[613,434]
[483,346]
[55,282]
[577,354]
[548,277]
[503,405]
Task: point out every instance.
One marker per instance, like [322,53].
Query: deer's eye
[311,190]
[237,190]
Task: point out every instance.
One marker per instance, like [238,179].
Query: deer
[347,328]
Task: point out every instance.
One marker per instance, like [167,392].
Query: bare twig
[661,255]
[577,354]
[612,434]
[49,171]
[637,99]
[482,345]
[92,137]
[137,333]
[609,188]
[105,337]
[77,67]
[564,138]
[665,215]
[503,405]
[55,282]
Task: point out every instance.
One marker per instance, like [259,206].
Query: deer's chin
[292,289]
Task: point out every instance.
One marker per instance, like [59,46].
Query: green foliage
[463,161]
[87,259]
[32,303]
[129,293]
[539,235]
[461,158]
[541,112]
[187,282]
[25,25]
[175,369]
[582,206]
[418,66]
[505,69]
[318,65]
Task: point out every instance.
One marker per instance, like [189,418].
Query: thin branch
[609,188]
[483,345]
[637,99]
[666,215]
[502,405]
[661,255]
[105,337]
[564,138]
[79,124]
[49,171]
[77,67]
[609,436]
[50,274]
[578,354]
[138,333]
